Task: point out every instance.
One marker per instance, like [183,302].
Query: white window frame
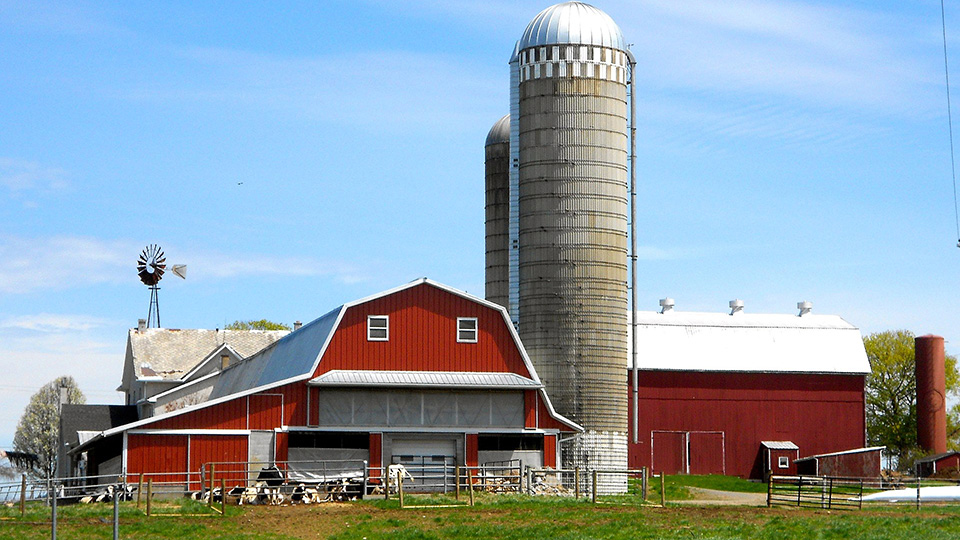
[385,328]
[475,330]
[783,462]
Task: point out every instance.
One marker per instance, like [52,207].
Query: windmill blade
[180,270]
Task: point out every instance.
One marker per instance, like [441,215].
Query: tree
[891,395]
[39,427]
[262,324]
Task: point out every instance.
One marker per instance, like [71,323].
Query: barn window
[378,328]
[784,462]
[466,329]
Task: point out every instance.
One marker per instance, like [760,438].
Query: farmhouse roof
[169,354]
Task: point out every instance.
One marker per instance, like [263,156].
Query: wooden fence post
[576,482]
[23,494]
[593,489]
[139,489]
[769,490]
[470,484]
[210,492]
[644,485]
[149,494]
[457,474]
[223,497]
[663,489]
[400,487]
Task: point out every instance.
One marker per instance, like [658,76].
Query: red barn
[420,372]
[714,386]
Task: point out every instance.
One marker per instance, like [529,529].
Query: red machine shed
[856,463]
[712,387]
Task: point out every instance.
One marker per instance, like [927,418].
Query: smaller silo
[931,394]
[497,175]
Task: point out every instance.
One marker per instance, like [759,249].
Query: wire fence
[828,492]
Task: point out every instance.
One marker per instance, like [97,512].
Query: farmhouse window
[784,462]
[466,329]
[378,328]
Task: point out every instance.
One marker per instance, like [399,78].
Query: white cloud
[381,90]
[53,323]
[815,53]
[48,263]
[20,176]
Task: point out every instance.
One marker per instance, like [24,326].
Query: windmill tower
[151,265]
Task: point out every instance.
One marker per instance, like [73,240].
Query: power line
[953,166]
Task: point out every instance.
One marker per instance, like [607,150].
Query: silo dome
[572,23]
[500,132]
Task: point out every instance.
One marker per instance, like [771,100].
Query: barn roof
[295,358]
[744,342]
[168,353]
[425,379]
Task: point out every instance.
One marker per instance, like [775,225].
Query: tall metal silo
[570,103]
[497,175]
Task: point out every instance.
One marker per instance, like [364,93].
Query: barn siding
[749,408]
[221,449]
[550,451]
[376,454]
[471,450]
[157,454]
[423,336]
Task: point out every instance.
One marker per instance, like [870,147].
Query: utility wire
[953,165]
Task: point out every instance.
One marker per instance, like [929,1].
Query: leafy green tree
[39,427]
[891,395]
[262,324]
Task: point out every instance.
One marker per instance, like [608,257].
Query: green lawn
[493,516]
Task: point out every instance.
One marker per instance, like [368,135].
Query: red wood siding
[544,419]
[219,449]
[530,407]
[264,412]
[774,464]
[423,336]
[749,408]
[376,454]
[283,446]
[157,454]
[706,453]
[471,450]
[855,464]
[550,451]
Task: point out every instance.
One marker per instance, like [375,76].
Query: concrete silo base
[600,451]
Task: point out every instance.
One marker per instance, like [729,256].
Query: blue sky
[297,155]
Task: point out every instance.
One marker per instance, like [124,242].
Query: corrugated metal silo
[497,175]
[571,122]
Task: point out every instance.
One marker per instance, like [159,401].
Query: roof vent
[804,307]
[297,325]
[141,325]
[736,306]
[666,304]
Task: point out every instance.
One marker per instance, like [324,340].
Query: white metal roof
[573,23]
[430,379]
[845,452]
[747,342]
[779,445]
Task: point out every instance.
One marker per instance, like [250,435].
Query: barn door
[706,452]
[669,451]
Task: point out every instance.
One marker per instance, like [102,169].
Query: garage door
[430,462]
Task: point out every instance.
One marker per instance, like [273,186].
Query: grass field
[494,516]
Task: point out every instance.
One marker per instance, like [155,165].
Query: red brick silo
[931,394]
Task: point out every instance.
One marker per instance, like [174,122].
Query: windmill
[150,267]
